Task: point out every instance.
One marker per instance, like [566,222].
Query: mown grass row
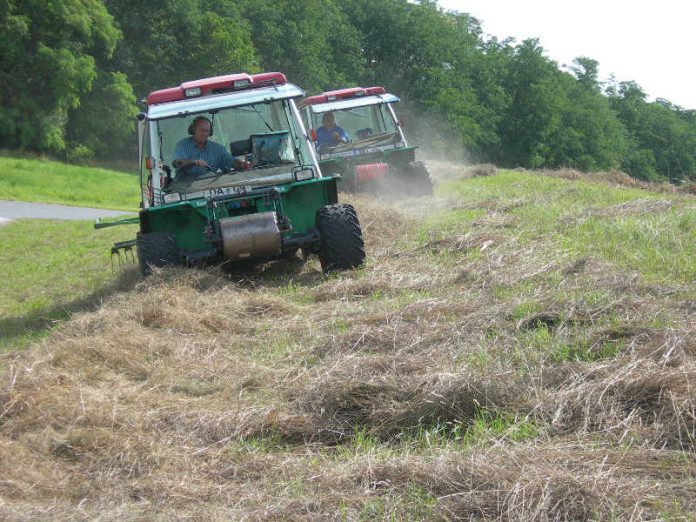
[648,232]
[485,363]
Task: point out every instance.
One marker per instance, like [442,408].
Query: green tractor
[358,137]
[268,202]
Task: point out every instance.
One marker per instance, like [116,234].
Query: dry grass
[443,170]
[647,395]
[457,378]
[620,179]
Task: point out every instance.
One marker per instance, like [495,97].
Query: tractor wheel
[419,183]
[342,246]
[156,250]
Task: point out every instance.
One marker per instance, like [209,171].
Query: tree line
[72,73]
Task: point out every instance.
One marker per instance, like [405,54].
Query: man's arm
[185,163]
[322,137]
[222,159]
[343,135]
[181,160]
[181,157]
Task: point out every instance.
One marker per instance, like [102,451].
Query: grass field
[518,347]
[50,269]
[45,181]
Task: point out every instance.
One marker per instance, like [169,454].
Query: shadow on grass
[18,331]
[274,274]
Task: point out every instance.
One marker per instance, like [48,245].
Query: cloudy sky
[651,43]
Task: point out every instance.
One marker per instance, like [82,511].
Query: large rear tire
[342,246]
[157,249]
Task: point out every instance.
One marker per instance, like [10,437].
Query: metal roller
[254,236]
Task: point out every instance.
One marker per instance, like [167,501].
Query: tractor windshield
[247,144]
[364,125]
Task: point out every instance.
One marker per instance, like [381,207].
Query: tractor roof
[209,94]
[351,103]
[342,94]
[216,85]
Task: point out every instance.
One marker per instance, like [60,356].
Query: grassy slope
[518,347]
[53,182]
[50,269]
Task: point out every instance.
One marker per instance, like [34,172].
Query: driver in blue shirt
[330,134]
[197,155]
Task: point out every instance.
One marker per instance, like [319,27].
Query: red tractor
[358,136]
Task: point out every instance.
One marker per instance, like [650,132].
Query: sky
[651,43]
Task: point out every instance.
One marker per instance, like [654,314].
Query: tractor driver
[330,134]
[196,155]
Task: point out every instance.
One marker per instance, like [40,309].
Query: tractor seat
[240,147]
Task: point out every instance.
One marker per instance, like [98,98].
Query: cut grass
[646,232]
[485,429]
[482,365]
[659,246]
[47,181]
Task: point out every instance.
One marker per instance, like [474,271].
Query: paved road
[10,210]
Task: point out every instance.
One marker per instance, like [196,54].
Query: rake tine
[123,257]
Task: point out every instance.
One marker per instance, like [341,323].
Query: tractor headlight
[171,198]
[304,174]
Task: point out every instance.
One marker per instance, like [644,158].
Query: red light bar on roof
[342,94]
[216,85]
[374,90]
[269,77]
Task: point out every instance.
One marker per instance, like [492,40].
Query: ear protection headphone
[195,121]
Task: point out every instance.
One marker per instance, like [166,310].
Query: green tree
[167,42]
[662,136]
[48,54]
[535,110]
[586,70]
[104,123]
[590,136]
[69,81]
[310,41]
[436,62]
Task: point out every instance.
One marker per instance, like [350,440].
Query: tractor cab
[253,123]
[366,116]
[357,136]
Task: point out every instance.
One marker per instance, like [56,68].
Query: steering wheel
[188,167]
